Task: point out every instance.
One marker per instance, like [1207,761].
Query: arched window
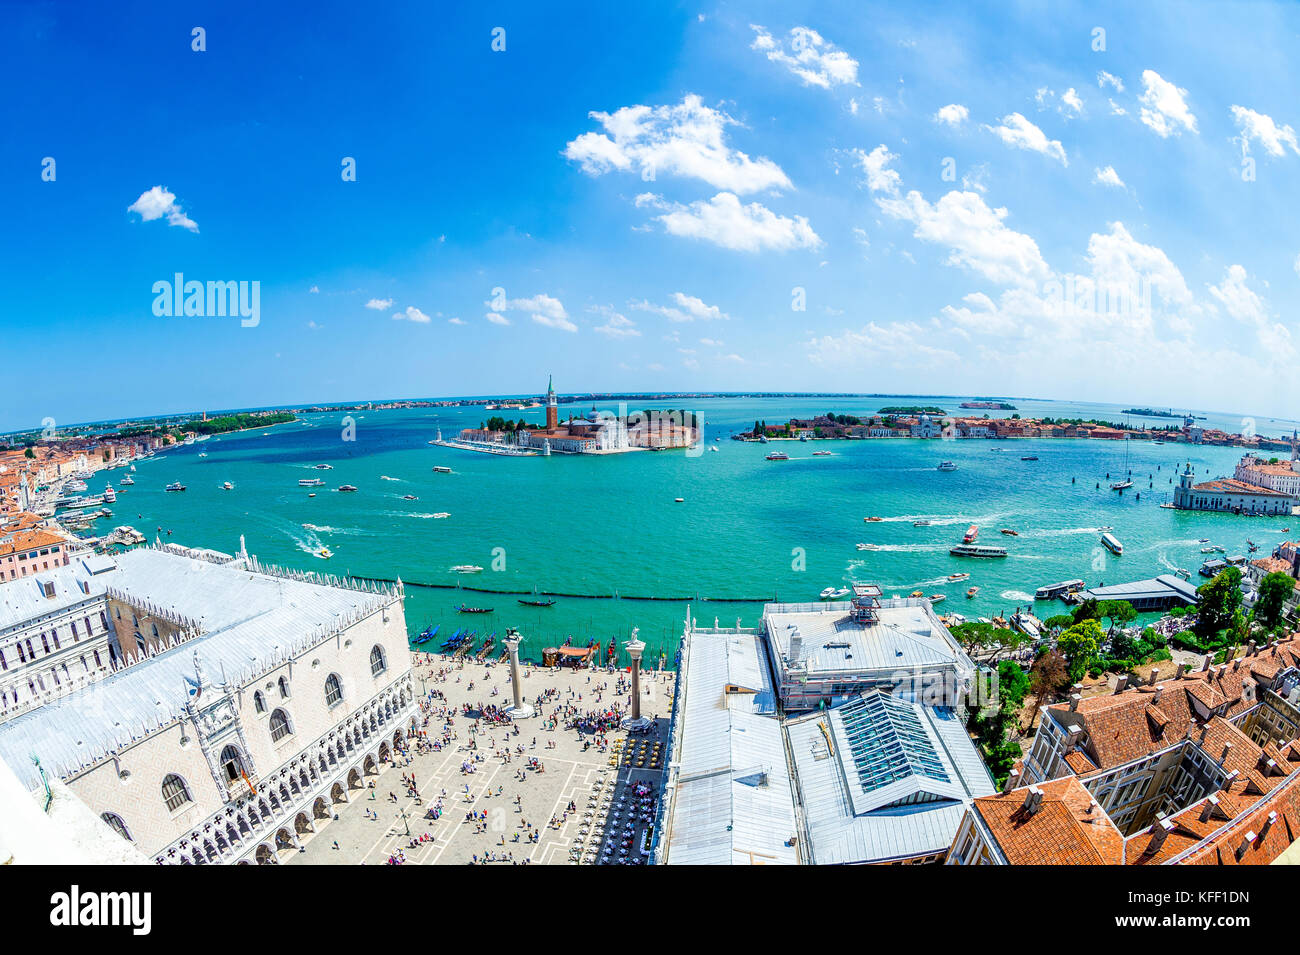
[232,763]
[175,792]
[333,690]
[259,704]
[280,727]
[377,662]
[117,825]
[284,688]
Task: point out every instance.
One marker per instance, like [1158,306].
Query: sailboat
[1123,485]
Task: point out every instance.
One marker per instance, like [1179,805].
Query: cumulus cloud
[1105,79]
[687,140]
[724,221]
[380,304]
[1107,176]
[1262,129]
[686,308]
[496,318]
[815,60]
[1071,103]
[975,235]
[875,165]
[158,202]
[1020,133]
[954,114]
[616,324]
[412,314]
[544,310]
[1246,306]
[1164,106]
[455,321]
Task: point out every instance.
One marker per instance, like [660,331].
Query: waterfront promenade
[493,802]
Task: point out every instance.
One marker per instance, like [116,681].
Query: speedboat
[868,547]
[409,497]
[826,594]
[840,594]
[921,523]
[873,520]
[227,486]
[947,466]
[311,482]
[323,467]
[956,577]
[441,470]
[972,592]
[442,514]
[1010,533]
[938,598]
[347,487]
[175,486]
[325,553]
[466,569]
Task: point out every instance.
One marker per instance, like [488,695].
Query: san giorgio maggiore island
[173,703]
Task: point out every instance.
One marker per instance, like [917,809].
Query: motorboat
[956,577]
[972,534]
[972,592]
[227,486]
[947,466]
[323,467]
[868,547]
[938,598]
[679,500]
[1029,457]
[1112,544]
[977,550]
[466,569]
[826,594]
[441,470]
[1010,533]
[409,497]
[324,553]
[175,486]
[442,514]
[820,454]
[873,520]
[127,481]
[347,487]
[921,523]
[311,482]
[778,456]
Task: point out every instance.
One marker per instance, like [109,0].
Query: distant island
[1151,413]
[989,405]
[911,409]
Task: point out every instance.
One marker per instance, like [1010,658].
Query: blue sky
[638,197]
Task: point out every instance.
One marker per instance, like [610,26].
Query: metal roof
[731,799]
[1165,585]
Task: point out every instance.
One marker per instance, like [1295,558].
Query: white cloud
[1020,133]
[875,164]
[723,221]
[1247,307]
[314,290]
[380,304]
[544,309]
[1071,101]
[687,140]
[809,56]
[158,202]
[903,345]
[616,324]
[975,235]
[1116,109]
[1164,107]
[1105,79]
[954,114]
[1107,176]
[710,343]
[412,314]
[1265,131]
[455,321]
[688,308]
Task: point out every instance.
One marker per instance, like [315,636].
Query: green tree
[1088,610]
[1274,590]
[1219,604]
[1117,612]
[1081,645]
[29,453]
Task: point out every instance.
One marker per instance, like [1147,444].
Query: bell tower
[552,407]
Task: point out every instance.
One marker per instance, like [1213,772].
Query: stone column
[519,710]
[635,721]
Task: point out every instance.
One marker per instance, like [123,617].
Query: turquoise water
[747,528]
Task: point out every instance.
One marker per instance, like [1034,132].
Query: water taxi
[347,487]
[1029,457]
[1055,591]
[956,577]
[972,534]
[466,569]
[409,497]
[977,550]
[679,500]
[441,470]
[323,467]
[442,514]
[311,482]
[826,594]
[938,598]
[873,520]
[1212,549]
[921,523]
[1010,533]
[840,593]
[1112,544]
[917,593]
[227,486]
[778,456]
[325,553]
[175,486]
[868,547]
[947,466]
[972,592]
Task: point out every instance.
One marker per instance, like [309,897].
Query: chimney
[1211,803]
[1246,841]
[1183,668]
[1227,748]
[1155,697]
[1121,684]
[1159,832]
[1250,648]
[1205,664]
[1033,798]
[1155,675]
[1074,701]
[1205,728]
[1013,777]
[1268,823]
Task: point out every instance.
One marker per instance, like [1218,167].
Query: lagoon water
[748,527]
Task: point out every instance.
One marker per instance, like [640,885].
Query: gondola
[455,640]
[537,603]
[463,609]
[428,634]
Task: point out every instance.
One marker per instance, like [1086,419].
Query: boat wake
[1017,595]
[1062,532]
[908,548]
[326,529]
